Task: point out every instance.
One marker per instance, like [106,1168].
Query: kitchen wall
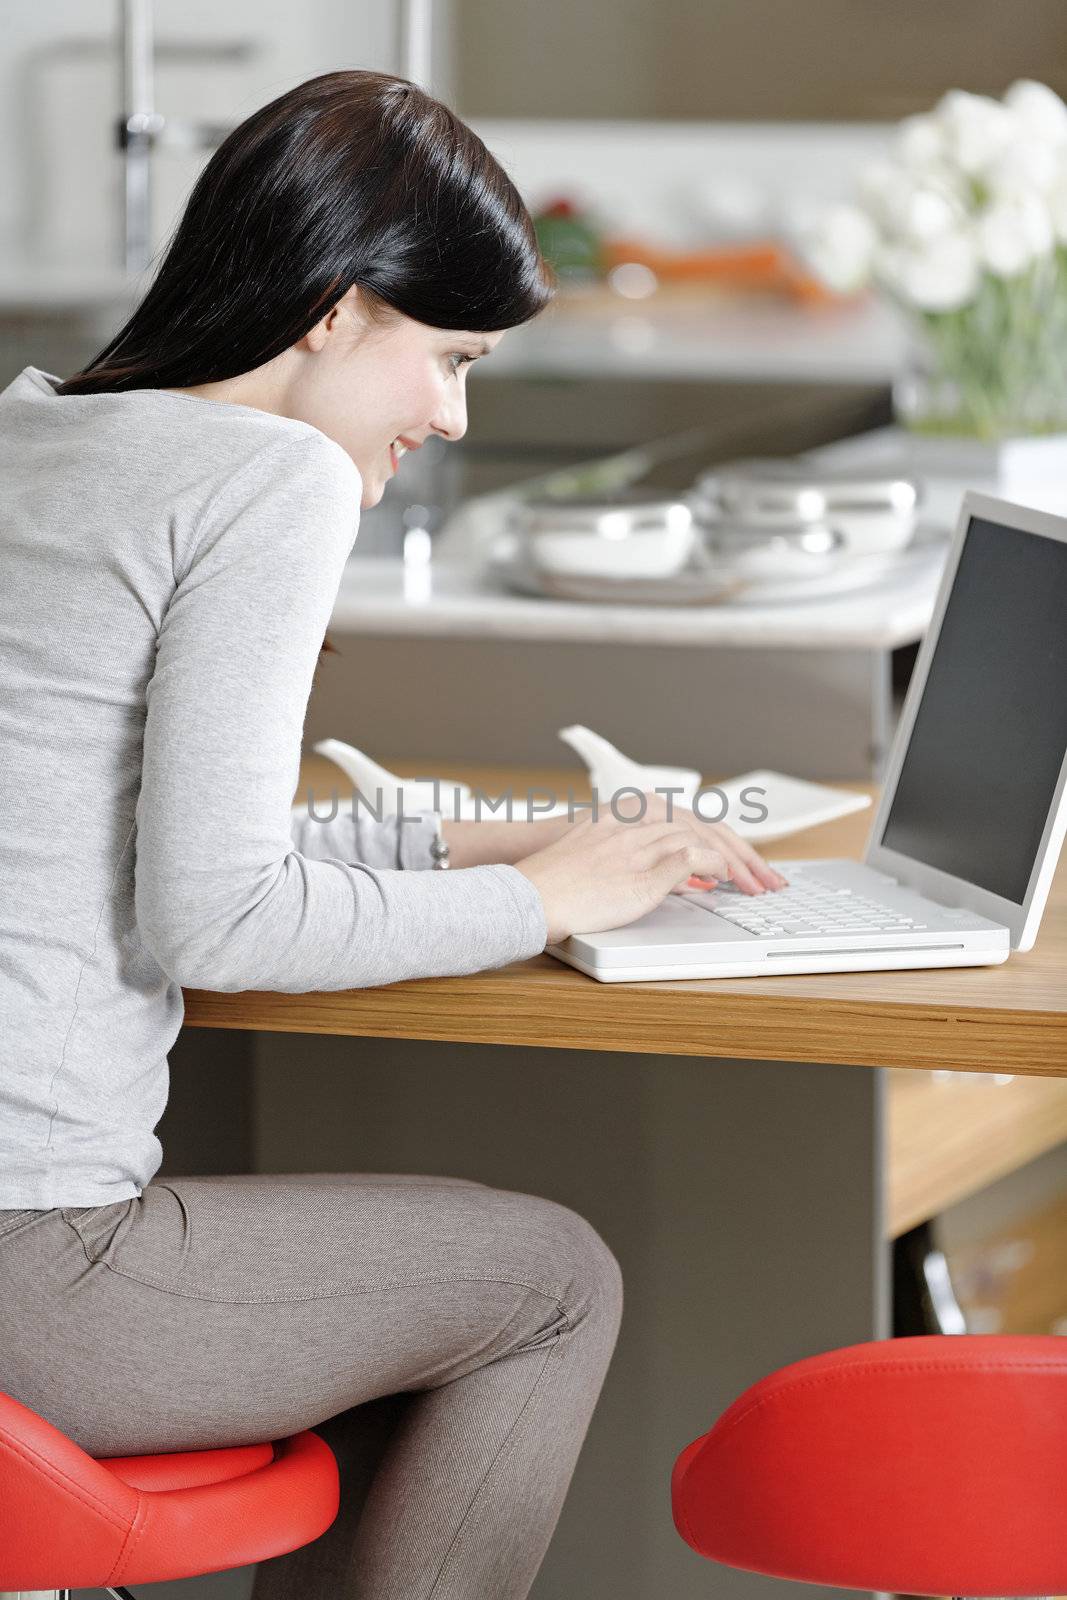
[685,181]
[755,60]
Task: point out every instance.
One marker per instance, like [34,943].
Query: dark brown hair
[350,178]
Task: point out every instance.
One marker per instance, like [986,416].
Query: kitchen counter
[454,595]
[453,598]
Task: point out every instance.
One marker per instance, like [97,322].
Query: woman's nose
[451,419]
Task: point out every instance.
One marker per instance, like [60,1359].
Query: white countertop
[453,596]
[449,598]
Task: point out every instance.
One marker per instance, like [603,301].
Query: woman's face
[380,389]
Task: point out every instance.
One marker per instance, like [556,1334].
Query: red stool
[72,1522]
[931,1465]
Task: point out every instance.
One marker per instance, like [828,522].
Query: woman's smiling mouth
[398,448]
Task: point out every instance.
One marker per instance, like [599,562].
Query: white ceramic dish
[634,534]
[575,554]
[507,563]
[875,513]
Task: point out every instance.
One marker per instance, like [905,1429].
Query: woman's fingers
[659,842]
[740,872]
[742,863]
[743,875]
[678,862]
[749,870]
[736,846]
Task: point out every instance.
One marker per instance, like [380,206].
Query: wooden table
[1011,1018]
[715,1132]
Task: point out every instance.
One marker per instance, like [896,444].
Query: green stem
[998,366]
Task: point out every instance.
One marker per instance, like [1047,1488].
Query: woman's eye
[458,359]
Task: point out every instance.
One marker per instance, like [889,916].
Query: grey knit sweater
[168,566]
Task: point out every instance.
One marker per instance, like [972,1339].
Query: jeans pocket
[10,1220]
[99,1228]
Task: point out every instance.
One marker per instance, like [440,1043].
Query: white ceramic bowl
[874,512]
[633,535]
[585,555]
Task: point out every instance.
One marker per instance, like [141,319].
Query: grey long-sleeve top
[168,566]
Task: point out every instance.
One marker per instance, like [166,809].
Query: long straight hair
[350,178]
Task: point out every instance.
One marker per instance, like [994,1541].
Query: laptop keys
[803,908]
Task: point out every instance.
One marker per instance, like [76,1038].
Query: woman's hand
[473,842]
[493,839]
[748,869]
[607,872]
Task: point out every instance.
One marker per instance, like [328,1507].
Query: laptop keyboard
[804,907]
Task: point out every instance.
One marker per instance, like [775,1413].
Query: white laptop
[965,841]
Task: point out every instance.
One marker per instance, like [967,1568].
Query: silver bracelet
[439,845]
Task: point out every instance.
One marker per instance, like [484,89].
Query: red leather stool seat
[72,1522]
[931,1465]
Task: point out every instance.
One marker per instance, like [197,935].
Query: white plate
[791,804]
[506,562]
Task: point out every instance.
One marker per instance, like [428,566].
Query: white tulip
[885,189]
[1011,234]
[1036,223]
[1057,205]
[1027,164]
[1039,110]
[920,143]
[888,192]
[909,206]
[975,128]
[889,267]
[839,246]
[929,213]
[940,276]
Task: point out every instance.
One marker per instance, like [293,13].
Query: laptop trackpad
[677,918]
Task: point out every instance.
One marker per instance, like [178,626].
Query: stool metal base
[57,1594]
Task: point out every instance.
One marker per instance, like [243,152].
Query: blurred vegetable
[761,265]
[569,239]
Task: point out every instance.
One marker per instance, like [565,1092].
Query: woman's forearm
[473,844]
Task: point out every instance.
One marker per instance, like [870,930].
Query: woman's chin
[372,493]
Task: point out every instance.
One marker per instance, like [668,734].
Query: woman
[176,519]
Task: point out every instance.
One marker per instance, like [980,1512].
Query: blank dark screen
[989,739]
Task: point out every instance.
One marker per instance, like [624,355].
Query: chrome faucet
[141,128]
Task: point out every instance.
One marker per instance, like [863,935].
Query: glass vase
[996,368]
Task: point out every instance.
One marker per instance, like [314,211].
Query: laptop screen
[988,741]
